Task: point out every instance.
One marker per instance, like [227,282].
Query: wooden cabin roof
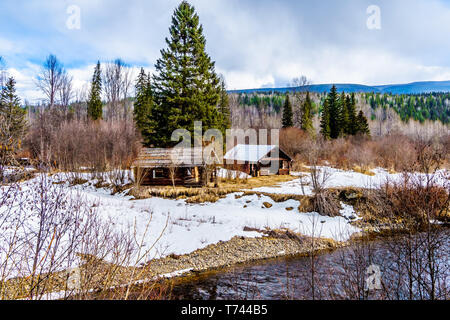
[254,153]
[167,157]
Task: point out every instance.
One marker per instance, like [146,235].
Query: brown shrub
[413,203]
[73,144]
[395,151]
[295,141]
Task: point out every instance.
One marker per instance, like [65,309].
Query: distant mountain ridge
[409,88]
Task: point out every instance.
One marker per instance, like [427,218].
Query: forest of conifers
[420,107]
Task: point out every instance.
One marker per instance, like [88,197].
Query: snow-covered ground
[193,226]
[225,173]
[183,228]
[160,226]
[166,226]
[342,178]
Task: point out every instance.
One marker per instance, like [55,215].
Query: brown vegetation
[396,151]
[209,193]
[73,145]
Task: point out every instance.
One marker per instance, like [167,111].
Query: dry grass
[257,182]
[299,166]
[277,197]
[363,170]
[209,193]
[192,195]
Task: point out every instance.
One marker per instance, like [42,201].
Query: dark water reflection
[341,274]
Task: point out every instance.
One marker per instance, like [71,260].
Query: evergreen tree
[287,120]
[306,123]
[95,105]
[348,107]
[325,120]
[141,103]
[352,117]
[343,115]
[334,113]
[362,124]
[224,107]
[187,88]
[143,108]
[12,121]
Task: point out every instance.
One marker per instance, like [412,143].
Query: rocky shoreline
[240,250]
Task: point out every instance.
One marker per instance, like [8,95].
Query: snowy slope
[166,226]
[342,178]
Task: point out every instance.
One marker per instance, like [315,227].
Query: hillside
[409,88]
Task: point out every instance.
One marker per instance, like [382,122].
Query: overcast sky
[255,43]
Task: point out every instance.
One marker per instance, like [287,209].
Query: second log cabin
[258,160]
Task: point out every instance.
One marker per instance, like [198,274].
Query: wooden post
[216,181]
[196,177]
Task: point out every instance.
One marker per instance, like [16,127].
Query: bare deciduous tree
[300,82]
[117,80]
[173,173]
[321,203]
[299,85]
[50,78]
[54,241]
[66,93]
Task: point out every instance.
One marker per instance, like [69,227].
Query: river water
[388,269]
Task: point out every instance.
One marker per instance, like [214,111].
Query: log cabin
[172,166]
[258,160]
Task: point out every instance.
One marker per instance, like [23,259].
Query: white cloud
[242,80]
[6,45]
[25,84]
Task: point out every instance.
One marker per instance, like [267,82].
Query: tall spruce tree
[343,114]
[352,117]
[325,120]
[143,108]
[362,124]
[140,106]
[306,123]
[348,124]
[12,121]
[224,107]
[95,105]
[187,88]
[334,113]
[287,120]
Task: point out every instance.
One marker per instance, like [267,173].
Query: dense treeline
[338,113]
[276,100]
[420,107]
[339,117]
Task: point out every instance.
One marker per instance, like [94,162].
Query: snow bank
[166,226]
[233,174]
[342,178]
